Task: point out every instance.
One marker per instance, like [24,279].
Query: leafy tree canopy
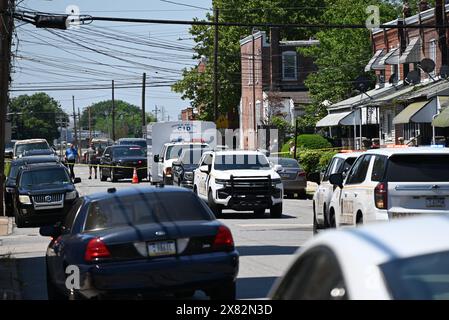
[35,116]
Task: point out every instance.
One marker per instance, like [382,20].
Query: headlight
[71,195]
[188,175]
[275,182]
[25,199]
[221,181]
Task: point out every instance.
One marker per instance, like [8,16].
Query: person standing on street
[71,154]
[92,160]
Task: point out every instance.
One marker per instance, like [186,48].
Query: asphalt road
[266,245]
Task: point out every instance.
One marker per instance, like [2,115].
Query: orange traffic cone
[135,177]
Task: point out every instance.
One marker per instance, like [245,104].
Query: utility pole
[144,117]
[80,129]
[74,122]
[113,113]
[254,88]
[6,30]
[216,13]
[90,125]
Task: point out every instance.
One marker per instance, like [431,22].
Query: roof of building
[300,43]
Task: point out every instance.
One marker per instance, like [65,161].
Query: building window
[433,53]
[289,70]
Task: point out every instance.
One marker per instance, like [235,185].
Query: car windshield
[128,152]
[425,168]
[43,177]
[285,162]
[174,151]
[21,148]
[241,162]
[140,143]
[145,208]
[192,156]
[423,277]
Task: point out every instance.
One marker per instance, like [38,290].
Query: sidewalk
[9,278]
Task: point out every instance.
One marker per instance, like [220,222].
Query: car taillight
[381,196]
[301,174]
[96,249]
[223,240]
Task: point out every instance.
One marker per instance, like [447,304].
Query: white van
[22,146]
[389,183]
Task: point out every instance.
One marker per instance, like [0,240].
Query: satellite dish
[427,65]
[413,77]
[362,84]
[444,71]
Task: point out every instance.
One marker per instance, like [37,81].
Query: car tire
[52,291]
[102,177]
[216,209]
[226,291]
[20,221]
[276,211]
[113,177]
[259,212]
[332,223]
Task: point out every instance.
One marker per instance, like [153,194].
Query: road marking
[276,225]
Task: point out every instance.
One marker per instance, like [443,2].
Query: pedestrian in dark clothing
[71,154]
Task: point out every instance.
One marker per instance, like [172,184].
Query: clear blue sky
[67,58]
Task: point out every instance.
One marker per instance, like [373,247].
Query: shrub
[306,141]
[325,159]
[309,160]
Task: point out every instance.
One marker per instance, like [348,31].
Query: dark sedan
[184,166]
[138,242]
[10,184]
[119,161]
[292,175]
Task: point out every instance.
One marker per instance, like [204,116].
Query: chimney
[406,10]
[423,5]
[275,58]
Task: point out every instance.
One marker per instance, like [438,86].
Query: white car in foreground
[403,260]
[239,180]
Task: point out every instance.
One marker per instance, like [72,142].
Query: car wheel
[52,291]
[259,212]
[359,219]
[332,223]
[102,177]
[216,209]
[20,221]
[276,211]
[225,291]
[113,177]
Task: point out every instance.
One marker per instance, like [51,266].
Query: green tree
[341,55]
[36,116]
[128,118]
[197,86]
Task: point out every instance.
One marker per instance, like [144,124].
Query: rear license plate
[285,175]
[435,203]
[161,248]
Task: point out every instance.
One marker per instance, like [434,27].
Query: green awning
[405,115]
[442,120]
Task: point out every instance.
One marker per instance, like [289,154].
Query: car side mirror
[204,169]
[77,180]
[156,158]
[50,231]
[277,168]
[315,177]
[336,179]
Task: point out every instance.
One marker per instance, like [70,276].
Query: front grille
[48,198]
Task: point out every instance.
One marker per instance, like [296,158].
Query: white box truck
[169,138]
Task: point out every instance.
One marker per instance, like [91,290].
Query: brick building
[406,99]
[188,114]
[273,75]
